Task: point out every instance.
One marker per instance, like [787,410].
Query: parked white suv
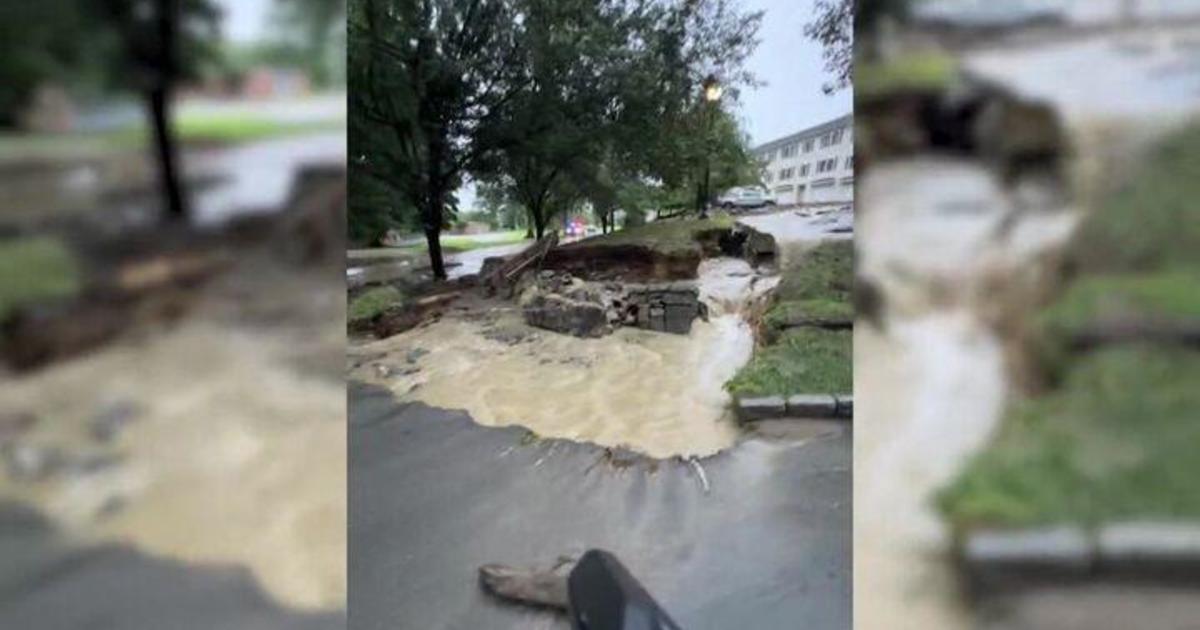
[746,197]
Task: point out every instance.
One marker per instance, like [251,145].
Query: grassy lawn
[927,72]
[1169,295]
[816,285]
[467,242]
[189,128]
[234,129]
[805,359]
[781,314]
[1116,436]
[671,236]
[373,302]
[1154,221]
[802,361]
[34,270]
[1117,440]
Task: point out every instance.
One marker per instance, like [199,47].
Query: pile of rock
[563,303]
[668,307]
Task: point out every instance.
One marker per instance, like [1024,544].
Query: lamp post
[712,94]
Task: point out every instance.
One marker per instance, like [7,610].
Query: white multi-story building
[812,166]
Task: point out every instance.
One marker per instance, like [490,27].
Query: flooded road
[470,262]
[655,393]
[1144,72]
[120,189]
[258,176]
[765,544]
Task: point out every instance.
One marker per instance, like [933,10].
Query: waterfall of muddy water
[936,374]
[656,393]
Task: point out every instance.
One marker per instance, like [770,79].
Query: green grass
[373,302]
[235,129]
[930,72]
[34,270]
[1154,221]
[467,242]
[671,236]
[1169,295]
[189,129]
[784,313]
[1117,440]
[802,361]
[826,272]
[817,285]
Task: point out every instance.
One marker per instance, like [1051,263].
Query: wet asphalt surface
[48,584]
[433,496]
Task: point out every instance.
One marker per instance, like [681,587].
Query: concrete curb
[1159,551]
[798,406]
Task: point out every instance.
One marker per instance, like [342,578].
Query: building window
[808,146]
[803,170]
[767,176]
[849,162]
[825,166]
[786,173]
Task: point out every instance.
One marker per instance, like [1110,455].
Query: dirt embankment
[596,259]
[151,275]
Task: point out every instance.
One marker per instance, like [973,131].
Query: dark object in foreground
[598,593]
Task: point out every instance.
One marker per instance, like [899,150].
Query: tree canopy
[552,102]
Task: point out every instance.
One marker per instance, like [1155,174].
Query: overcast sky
[245,20]
[792,67]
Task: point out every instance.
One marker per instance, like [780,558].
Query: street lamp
[712,89]
[712,94]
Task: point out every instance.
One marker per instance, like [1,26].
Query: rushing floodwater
[933,242]
[655,393]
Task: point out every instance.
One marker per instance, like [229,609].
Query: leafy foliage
[833,29]
[552,103]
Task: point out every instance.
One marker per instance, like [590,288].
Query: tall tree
[572,54]
[424,75]
[165,42]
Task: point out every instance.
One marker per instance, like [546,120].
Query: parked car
[746,197]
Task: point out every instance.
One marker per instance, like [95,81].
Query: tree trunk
[538,216]
[433,233]
[158,101]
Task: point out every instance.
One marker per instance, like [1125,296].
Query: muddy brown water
[235,454]
[654,393]
[940,370]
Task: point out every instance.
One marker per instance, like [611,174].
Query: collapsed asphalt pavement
[433,496]
[51,583]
